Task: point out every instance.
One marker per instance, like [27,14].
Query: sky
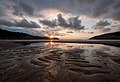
[65,19]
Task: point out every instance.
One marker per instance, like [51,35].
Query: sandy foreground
[68,61]
[8,45]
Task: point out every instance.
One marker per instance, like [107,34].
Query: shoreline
[105,42]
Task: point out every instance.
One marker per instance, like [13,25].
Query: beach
[59,61]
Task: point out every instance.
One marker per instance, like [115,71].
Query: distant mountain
[4,34]
[108,36]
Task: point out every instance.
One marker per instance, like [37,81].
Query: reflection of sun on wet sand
[51,44]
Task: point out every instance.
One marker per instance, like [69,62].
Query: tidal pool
[60,62]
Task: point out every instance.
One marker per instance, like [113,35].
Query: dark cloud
[101,26]
[102,8]
[92,8]
[62,21]
[21,23]
[72,23]
[90,32]
[16,7]
[25,23]
[86,32]
[22,7]
[3,8]
[70,32]
[103,23]
[49,23]
[7,22]
[26,7]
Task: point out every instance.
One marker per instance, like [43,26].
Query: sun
[52,36]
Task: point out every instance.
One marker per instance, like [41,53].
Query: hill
[4,34]
[108,36]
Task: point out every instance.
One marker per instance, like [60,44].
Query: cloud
[5,7]
[71,23]
[62,21]
[74,22]
[49,23]
[92,8]
[17,7]
[22,30]
[102,29]
[90,32]
[25,23]
[101,26]
[7,22]
[70,32]
[103,23]
[2,10]
[22,23]
[23,7]
[103,8]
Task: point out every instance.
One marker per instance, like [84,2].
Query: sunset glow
[51,36]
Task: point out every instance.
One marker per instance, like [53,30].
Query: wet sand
[8,45]
[59,62]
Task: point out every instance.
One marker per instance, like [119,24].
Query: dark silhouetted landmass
[55,38]
[108,36]
[4,34]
